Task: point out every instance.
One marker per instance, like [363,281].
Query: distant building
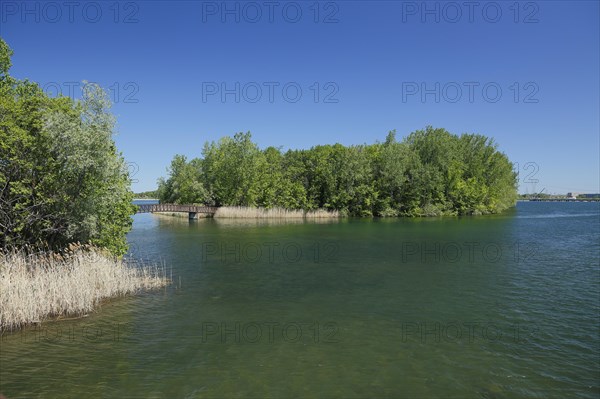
[572,195]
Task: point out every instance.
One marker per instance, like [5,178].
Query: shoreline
[560,200]
[241,212]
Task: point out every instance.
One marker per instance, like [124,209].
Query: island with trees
[430,172]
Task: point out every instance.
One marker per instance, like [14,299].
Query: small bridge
[192,210]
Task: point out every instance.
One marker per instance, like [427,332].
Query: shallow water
[493,306]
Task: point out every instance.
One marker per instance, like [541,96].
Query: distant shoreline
[146,199]
[560,200]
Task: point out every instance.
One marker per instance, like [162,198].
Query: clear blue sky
[377,65]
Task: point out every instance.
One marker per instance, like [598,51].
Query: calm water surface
[488,307]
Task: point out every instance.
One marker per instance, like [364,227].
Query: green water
[487,307]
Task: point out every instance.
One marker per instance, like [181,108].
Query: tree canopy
[62,179]
[430,172]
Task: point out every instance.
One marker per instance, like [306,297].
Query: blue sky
[302,73]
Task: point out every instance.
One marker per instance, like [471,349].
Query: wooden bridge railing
[191,209]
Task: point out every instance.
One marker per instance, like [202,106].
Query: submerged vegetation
[429,173]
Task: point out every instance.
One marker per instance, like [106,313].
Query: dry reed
[271,213]
[38,286]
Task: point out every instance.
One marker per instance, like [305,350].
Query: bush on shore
[62,179]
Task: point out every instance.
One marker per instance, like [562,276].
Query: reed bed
[322,214]
[182,215]
[35,287]
[240,222]
[244,212]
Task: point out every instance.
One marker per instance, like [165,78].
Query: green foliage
[185,186]
[147,194]
[430,173]
[61,177]
[5,54]
[232,170]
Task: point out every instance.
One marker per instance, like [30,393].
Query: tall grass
[322,214]
[272,213]
[182,215]
[38,286]
[255,222]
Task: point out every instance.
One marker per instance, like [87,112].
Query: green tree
[61,177]
[184,185]
[391,175]
[231,170]
[277,184]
